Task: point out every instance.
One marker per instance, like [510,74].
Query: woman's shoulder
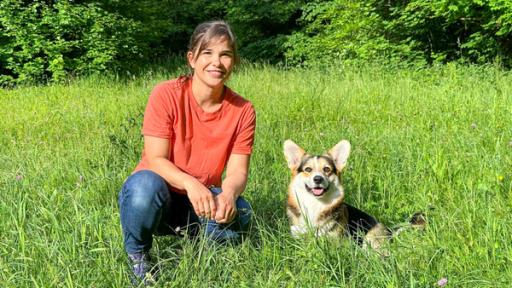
[237,100]
[171,89]
[173,84]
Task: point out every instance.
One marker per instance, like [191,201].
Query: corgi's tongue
[317,191]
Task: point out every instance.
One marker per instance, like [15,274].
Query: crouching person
[194,128]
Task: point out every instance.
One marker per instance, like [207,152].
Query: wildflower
[473,126]
[443,281]
[19,177]
[500,178]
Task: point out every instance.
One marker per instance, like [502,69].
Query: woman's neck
[208,98]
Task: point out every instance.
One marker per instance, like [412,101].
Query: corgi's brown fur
[316,198]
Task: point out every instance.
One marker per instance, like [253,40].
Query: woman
[195,128]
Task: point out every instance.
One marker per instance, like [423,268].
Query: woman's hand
[202,199]
[232,186]
[226,208]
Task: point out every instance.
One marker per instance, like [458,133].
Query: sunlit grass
[436,140]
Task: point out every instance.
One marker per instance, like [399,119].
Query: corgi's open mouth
[317,191]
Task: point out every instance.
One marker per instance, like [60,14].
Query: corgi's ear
[340,153]
[293,154]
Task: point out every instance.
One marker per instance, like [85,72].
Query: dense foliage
[262,27]
[475,31]
[50,40]
[42,41]
[342,30]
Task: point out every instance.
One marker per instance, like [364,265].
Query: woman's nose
[216,60]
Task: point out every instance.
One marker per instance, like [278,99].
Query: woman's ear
[191,60]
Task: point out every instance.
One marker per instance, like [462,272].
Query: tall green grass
[437,140]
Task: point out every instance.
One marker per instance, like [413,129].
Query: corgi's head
[318,173]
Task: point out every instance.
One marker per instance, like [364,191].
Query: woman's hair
[206,31]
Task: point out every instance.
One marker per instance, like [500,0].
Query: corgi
[315,201]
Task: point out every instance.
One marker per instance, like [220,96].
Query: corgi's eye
[308,169]
[327,170]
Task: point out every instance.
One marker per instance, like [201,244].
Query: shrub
[48,41]
[262,26]
[476,31]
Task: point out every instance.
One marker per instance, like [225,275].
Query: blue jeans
[148,208]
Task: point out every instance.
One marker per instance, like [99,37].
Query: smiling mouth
[317,191]
[216,72]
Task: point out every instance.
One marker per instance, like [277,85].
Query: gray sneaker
[141,268]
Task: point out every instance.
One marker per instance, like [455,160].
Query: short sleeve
[244,140]
[158,117]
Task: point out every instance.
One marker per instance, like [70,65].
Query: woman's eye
[327,169]
[308,169]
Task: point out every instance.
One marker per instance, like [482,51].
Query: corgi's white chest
[310,210]
[311,207]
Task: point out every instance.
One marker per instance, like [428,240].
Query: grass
[437,140]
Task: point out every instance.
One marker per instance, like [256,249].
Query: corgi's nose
[318,179]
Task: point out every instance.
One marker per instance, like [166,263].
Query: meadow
[437,140]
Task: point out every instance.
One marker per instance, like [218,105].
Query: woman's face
[214,64]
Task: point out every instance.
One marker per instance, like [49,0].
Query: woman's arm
[157,153]
[234,183]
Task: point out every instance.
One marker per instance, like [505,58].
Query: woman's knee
[142,189]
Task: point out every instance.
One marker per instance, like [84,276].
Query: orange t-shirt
[200,142]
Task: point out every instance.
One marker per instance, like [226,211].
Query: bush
[43,41]
[342,29]
[476,31]
[439,31]
[262,26]
[50,40]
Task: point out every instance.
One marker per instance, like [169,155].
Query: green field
[437,140]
